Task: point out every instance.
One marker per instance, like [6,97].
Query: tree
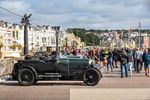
[13,47]
[19,46]
[16,46]
[87,36]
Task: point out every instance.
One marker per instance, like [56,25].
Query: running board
[49,75]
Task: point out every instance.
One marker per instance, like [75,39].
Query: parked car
[29,71]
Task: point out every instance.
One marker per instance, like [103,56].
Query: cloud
[16,6]
[84,13]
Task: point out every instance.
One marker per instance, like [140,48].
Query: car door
[63,65]
[44,66]
[77,64]
[74,64]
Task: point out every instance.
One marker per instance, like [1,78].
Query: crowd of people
[128,60]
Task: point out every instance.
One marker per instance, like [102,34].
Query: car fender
[31,68]
[99,71]
[97,68]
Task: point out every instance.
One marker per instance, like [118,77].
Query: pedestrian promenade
[110,86]
[117,73]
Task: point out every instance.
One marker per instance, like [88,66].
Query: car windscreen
[62,56]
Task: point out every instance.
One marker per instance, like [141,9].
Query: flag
[139,25]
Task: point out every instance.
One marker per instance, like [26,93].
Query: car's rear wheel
[26,77]
[91,77]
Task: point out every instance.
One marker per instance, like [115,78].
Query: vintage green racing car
[29,71]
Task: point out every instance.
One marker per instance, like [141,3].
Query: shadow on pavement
[134,75]
[110,76]
[45,83]
[59,83]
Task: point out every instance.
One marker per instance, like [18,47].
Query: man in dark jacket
[123,61]
[115,57]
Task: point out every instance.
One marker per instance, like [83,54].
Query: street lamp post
[139,38]
[25,22]
[66,43]
[56,28]
[93,41]
[139,27]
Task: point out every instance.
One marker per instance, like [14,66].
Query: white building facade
[39,38]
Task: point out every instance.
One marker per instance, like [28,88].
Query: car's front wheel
[91,77]
[26,77]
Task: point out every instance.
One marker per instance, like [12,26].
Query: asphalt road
[60,90]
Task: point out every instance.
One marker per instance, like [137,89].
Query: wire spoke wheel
[26,77]
[91,77]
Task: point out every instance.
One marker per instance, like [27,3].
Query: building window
[17,35]
[52,41]
[44,39]
[9,41]
[13,34]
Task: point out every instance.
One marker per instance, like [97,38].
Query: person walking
[105,64]
[134,60]
[130,61]
[147,62]
[106,53]
[143,57]
[102,55]
[115,58]
[123,61]
[138,57]
[97,59]
[110,61]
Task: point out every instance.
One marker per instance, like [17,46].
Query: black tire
[91,77]
[26,77]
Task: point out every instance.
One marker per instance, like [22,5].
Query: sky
[89,14]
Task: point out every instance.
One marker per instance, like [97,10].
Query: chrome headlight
[97,66]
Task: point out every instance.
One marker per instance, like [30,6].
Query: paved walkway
[111,87]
